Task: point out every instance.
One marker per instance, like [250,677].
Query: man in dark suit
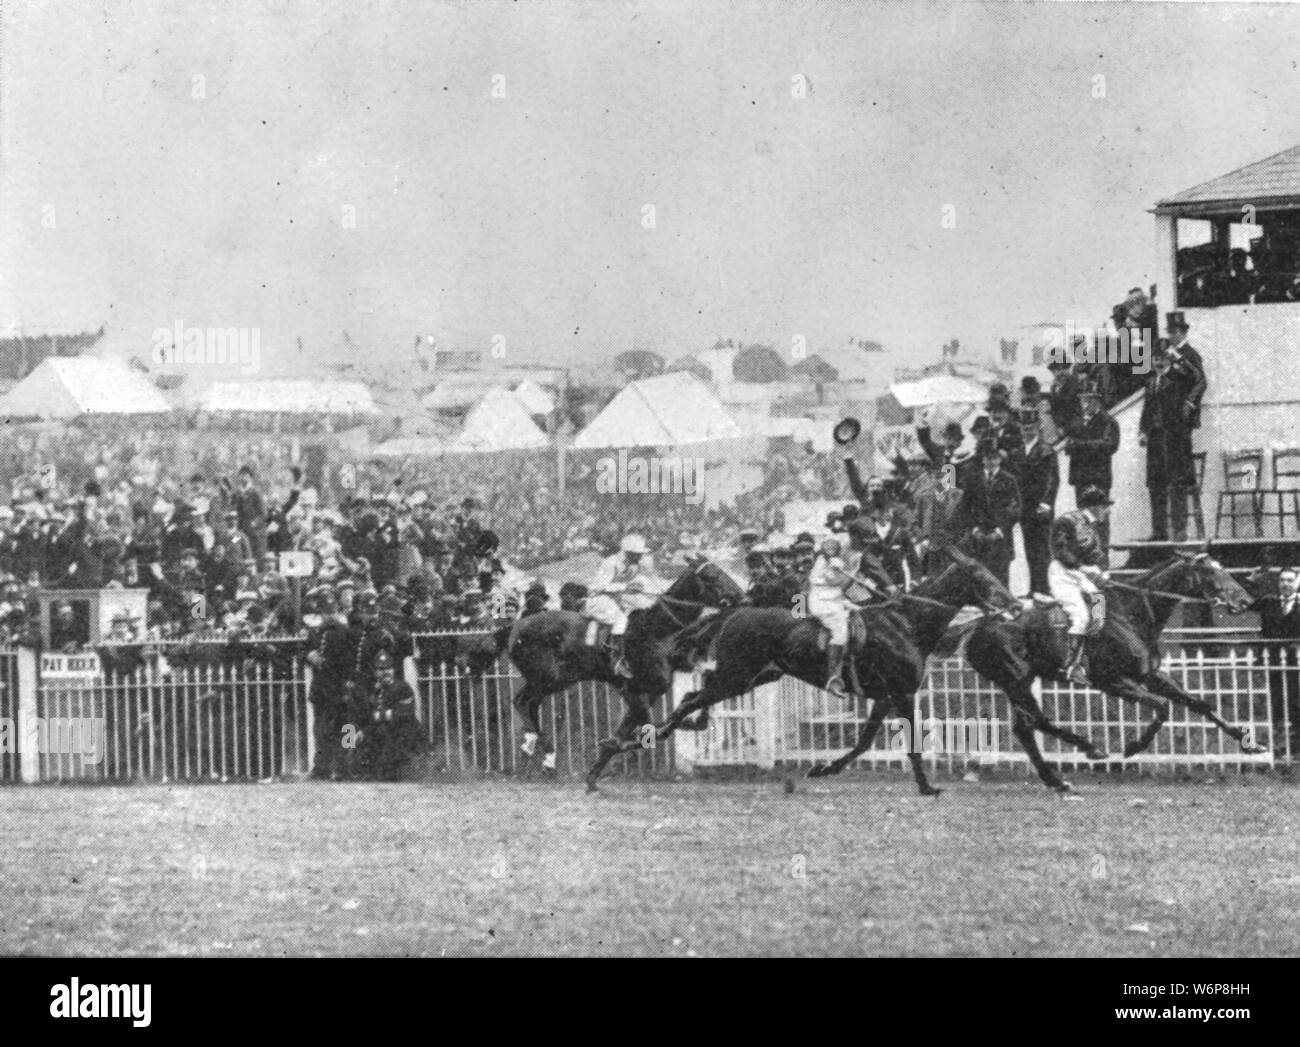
[1189,365]
[1167,436]
[989,509]
[1279,619]
[1091,445]
[1040,479]
[1005,432]
[889,542]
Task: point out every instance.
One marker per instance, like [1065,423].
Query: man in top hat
[1078,556]
[1167,436]
[331,656]
[988,511]
[1004,430]
[940,451]
[1187,361]
[1091,445]
[1040,479]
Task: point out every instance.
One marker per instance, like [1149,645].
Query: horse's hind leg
[635,717]
[1022,699]
[1131,691]
[1164,685]
[1022,727]
[866,736]
[528,704]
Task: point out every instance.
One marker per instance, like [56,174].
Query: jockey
[826,601]
[623,582]
[1076,570]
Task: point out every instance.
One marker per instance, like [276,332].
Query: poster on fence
[73,669]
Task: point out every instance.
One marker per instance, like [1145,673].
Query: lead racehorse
[1123,659]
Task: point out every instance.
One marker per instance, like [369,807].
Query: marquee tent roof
[665,411]
[67,387]
[290,396]
[939,389]
[498,422]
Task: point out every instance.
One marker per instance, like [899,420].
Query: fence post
[29,757]
[310,720]
[684,742]
[413,682]
[765,702]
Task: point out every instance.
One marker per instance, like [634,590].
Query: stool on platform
[1242,480]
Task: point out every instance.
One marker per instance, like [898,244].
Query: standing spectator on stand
[1063,397]
[1091,445]
[1039,482]
[989,509]
[1167,436]
[1189,365]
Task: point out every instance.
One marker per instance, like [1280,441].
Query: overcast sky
[523,216]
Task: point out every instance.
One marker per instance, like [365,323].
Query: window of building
[1226,260]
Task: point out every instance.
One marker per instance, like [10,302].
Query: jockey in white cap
[624,582]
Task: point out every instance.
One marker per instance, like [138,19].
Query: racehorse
[1123,658]
[550,651]
[757,645]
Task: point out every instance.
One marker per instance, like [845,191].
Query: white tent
[409,447]
[665,411]
[290,396]
[939,389]
[498,422]
[67,387]
[535,399]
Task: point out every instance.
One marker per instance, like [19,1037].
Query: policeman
[389,730]
[330,654]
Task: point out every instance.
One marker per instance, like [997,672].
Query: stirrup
[836,688]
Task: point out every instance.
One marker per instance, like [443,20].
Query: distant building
[23,349]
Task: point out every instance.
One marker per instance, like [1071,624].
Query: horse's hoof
[1252,749]
[817,771]
[1132,749]
[930,790]
[591,786]
[1063,787]
[1097,755]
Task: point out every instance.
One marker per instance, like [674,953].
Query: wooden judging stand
[93,611]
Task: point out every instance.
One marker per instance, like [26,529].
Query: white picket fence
[792,723]
[250,720]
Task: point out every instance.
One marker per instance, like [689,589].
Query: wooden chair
[1286,486]
[1242,481]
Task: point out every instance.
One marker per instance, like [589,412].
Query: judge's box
[93,613]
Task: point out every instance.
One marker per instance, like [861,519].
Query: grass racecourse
[859,866]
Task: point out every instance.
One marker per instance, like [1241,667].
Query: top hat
[1030,416]
[1177,321]
[846,431]
[1091,496]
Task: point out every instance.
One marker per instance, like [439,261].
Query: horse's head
[706,583]
[1200,576]
[966,582]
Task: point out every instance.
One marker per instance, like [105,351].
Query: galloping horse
[1123,659]
[758,645]
[551,653]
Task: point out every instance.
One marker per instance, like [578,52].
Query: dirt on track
[856,866]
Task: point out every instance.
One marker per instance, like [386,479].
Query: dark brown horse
[758,645]
[551,652]
[1123,659]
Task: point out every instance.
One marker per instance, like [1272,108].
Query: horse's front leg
[1164,685]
